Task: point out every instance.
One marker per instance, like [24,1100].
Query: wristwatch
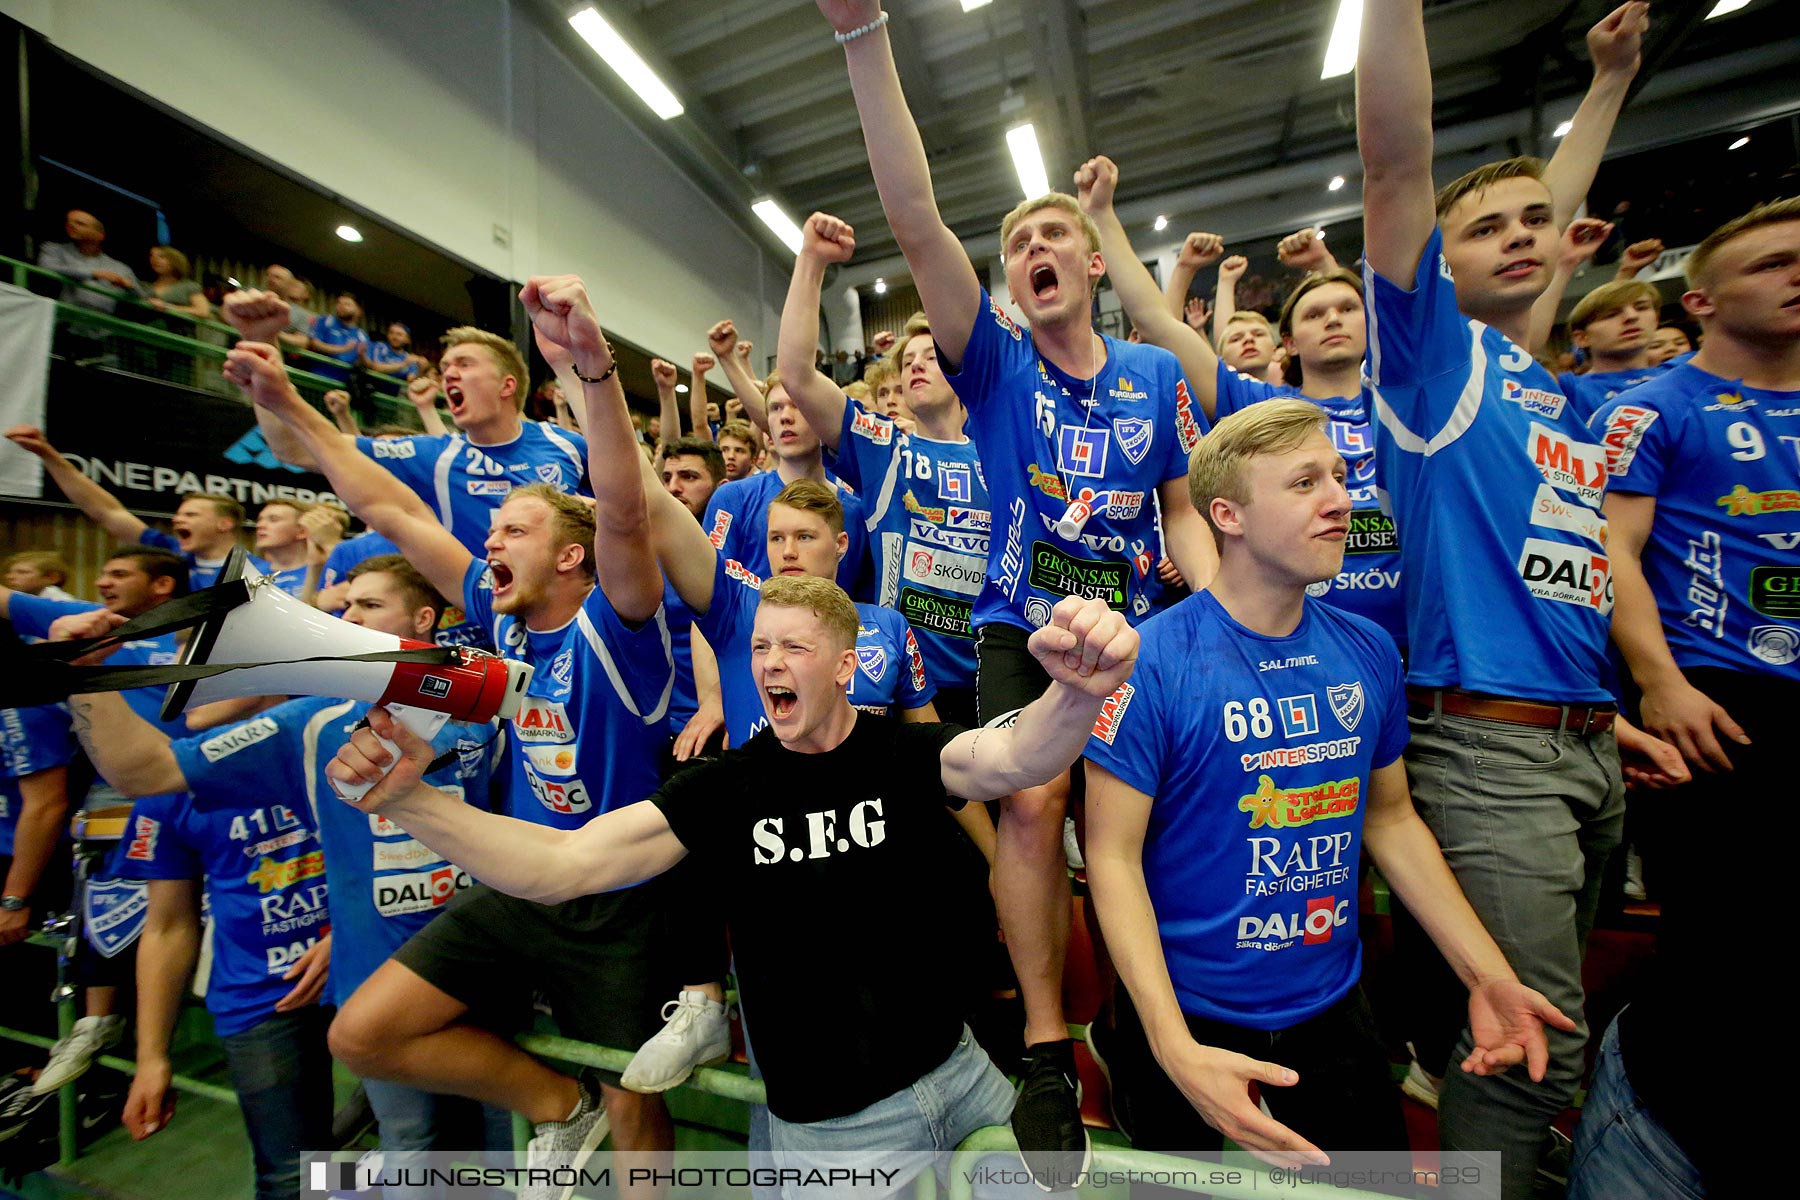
[14,903]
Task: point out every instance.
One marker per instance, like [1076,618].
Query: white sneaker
[697,1035]
[1419,1085]
[1634,876]
[73,1055]
[1072,846]
[565,1145]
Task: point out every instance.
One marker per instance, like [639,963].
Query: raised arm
[827,240]
[1577,245]
[687,556]
[1197,250]
[383,502]
[668,410]
[534,862]
[1088,650]
[1393,132]
[734,355]
[1144,304]
[259,318]
[1614,46]
[1225,295]
[625,565]
[1637,256]
[101,506]
[129,753]
[1304,250]
[337,403]
[946,281]
[702,428]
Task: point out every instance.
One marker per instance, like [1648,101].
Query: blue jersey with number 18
[1495,488]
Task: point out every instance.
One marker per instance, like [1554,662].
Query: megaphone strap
[56,681]
[166,617]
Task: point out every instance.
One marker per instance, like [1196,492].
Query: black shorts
[956,706]
[593,958]
[1007,678]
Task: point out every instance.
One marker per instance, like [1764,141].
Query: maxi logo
[1371,532]
[915,662]
[1112,711]
[1135,436]
[1274,807]
[1567,574]
[1578,467]
[542,723]
[876,429]
[1081,451]
[1054,571]
[1046,483]
[953,481]
[1625,429]
[1775,591]
[1187,429]
[937,614]
[721,526]
[143,840]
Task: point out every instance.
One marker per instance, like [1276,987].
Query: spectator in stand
[173,288]
[1612,325]
[1669,341]
[281,539]
[283,283]
[1244,338]
[38,573]
[394,356]
[339,335]
[738,443]
[206,526]
[97,278]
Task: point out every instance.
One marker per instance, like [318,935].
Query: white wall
[521,140]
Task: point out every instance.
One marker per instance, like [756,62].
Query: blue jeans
[902,1132]
[413,1122]
[1620,1149]
[281,1072]
[1527,819]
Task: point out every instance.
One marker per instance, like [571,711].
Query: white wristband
[844,39]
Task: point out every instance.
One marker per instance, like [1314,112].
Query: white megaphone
[275,629]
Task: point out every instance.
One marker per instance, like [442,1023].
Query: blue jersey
[385,355]
[737,523]
[31,740]
[928,518]
[1723,463]
[202,573]
[590,734]
[1046,445]
[1589,393]
[1369,584]
[32,615]
[464,483]
[1495,488]
[890,672]
[453,628]
[684,701]
[265,889]
[333,332]
[384,885]
[291,580]
[1256,752]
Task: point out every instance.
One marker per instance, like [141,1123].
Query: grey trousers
[1527,819]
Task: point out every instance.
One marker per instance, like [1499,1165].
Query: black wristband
[604,375]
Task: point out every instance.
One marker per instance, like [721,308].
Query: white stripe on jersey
[1468,405]
[598,645]
[566,446]
[309,741]
[440,479]
[885,496]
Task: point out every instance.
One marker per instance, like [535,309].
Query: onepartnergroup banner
[815,1175]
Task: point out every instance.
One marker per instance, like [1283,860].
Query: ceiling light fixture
[1726,7]
[681,389]
[779,223]
[626,63]
[1337,181]
[349,233]
[1028,160]
[1340,52]
[972,5]
[1740,143]
[881,287]
[1162,223]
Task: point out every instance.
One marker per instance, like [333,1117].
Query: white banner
[25,321]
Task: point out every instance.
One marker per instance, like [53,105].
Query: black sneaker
[1046,1119]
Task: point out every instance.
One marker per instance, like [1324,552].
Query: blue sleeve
[337,564]
[160,540]
[916,690]
[411,460]
[867,444]
[637,661]
[732,610]
[1418,334]
[1395,732]
[242,765]
[154,847]
[31,615]
[721,513]
[1236,391]
[1129,739]
[1639,443]
[35,739]
[856,575]
[994,339]
[1186,417]
[478,598]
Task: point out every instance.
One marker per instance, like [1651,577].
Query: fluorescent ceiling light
[1562,129]
[1722,8]
[881,287]
[1028,160]
[681,388]
[1340,53]
[972,5]
[349,233]
[1739,144]
[1337,181]
[779,223]
[1162,223]
[617,53]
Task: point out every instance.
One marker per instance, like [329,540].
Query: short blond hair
[1486,176]
[1775,212]
[1246,316]
[826,600]
[858,390]
[1610,298]
[879,372]
[1216,468]
[820,499]
[915,325]
[45,562]
[571,519]
[1057,200]
[506,357]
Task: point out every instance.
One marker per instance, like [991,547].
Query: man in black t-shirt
[823,868]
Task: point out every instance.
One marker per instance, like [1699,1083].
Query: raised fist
[1582,239]
[884,341]
[1304,251]
[1095,181]
[337,403]
[1202,250]
[664,373]
[257,316]
[722,337]
[561,313]
[1233,268]
[1616,42]
[1639,255]
[704,362]
[828,239]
